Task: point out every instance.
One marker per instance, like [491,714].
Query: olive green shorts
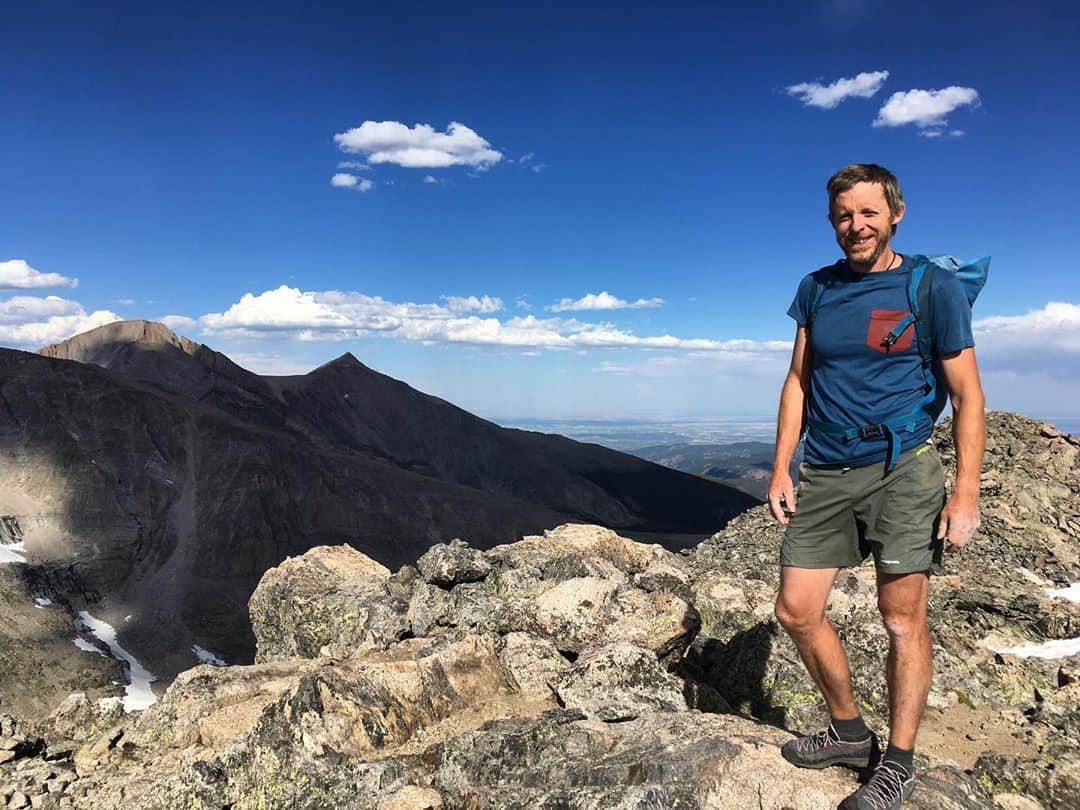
[845,514]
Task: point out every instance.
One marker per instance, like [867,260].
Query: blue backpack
[972,277]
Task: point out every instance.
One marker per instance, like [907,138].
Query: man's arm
[960,517]
[789,426]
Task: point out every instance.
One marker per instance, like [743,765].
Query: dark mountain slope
[170,512]
[155,480]
[347,407]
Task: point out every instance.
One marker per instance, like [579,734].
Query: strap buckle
[871,432]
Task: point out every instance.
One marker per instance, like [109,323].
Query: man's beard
[881,245]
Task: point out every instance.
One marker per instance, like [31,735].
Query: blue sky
[658,171]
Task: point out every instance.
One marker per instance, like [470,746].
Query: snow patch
[207,657]
[1072,593]
[137,692]
[1055,648]
[86,646]
[42,601]
[14,553]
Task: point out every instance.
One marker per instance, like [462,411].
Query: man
[855,497]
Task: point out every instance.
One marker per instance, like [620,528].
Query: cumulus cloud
[269,363]
[17,274]
[1046,338]
[828,96]
[355,165]
[419,146]
[602,301]
[484,304]
[28,322]
[926,109]
[333,315]
[429,179]
[180,323]
[345,180]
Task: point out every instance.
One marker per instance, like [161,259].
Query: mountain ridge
[155,479]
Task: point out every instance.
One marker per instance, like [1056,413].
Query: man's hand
[958,522]
[781,496]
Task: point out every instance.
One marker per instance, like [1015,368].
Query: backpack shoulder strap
[919,303]
[820,280]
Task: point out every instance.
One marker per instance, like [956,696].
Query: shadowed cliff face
[169,479]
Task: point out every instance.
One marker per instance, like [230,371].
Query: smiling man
[871,482]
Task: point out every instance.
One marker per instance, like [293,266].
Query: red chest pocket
[882,321]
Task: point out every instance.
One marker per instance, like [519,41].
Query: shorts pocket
[883,321]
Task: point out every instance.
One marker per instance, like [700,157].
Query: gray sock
[900,758]
[854,730]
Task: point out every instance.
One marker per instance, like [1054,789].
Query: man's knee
[795,617]
[903,622]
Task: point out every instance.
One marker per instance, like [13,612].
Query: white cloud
[269,363]
[28,322]
[419,146]
[16,274]
[429,179]
[828,96]
[538,167]
[926,109]
[333,315]
[343,180]
[1042,338]
[179,323]
[125,302]
[602,301]
[522,302]
[484,304]
[355,165]
[526,157]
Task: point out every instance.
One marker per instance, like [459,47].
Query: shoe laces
[885,787]
[818,740]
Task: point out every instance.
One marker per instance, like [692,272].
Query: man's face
[863,223]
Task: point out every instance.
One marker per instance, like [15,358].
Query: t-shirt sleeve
[800,307]
[951,314]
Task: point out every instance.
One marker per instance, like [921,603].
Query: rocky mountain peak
[99,345]
[346,362]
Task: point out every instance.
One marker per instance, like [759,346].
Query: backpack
[972,277]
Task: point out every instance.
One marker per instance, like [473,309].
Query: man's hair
[867,173]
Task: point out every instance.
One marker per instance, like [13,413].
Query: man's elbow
[968,398]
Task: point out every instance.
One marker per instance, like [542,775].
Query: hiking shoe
[825,748]
[886,790]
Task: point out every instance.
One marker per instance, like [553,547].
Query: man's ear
[899,215]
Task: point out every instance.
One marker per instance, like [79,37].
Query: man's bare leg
[902,601]
[800,609]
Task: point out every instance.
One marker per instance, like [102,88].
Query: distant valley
[743,465]
[735,450]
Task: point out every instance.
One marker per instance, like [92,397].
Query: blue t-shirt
[856,381]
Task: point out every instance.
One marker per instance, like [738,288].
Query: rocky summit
[582,669]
